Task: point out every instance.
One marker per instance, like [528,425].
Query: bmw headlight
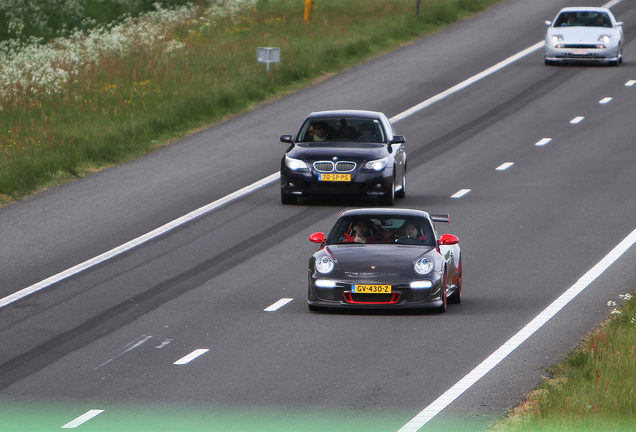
[604,39]
[423,266]
[294,164]
[376,165]
[324,264]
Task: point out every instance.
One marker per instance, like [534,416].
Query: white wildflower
[31,67]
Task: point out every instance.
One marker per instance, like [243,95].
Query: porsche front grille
[328,166]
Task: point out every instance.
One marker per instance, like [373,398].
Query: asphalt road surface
[206,324]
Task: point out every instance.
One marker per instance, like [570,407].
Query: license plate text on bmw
[370,289]
[334,177]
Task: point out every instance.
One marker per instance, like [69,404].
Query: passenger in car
[601,20]
[345,132]
[571,20]
[362,233]
[366,133]
[320,131]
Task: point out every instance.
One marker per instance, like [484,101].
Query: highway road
[206,325]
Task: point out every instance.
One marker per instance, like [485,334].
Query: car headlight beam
[294,164]
[377,165]
[604,38]
[324,264]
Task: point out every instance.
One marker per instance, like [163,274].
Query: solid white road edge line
[82,419]
[139,240]
[495,358]
[194,354]
[279,304]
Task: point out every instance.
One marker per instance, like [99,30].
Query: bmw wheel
[388,198]
[402,192]
[287,199]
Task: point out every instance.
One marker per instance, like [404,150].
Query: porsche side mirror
[448,239]
[317,238]
[398,139]
[286,139]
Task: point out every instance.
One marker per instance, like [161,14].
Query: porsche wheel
[456,297]
[442,308]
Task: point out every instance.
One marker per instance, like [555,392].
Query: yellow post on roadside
[309,4]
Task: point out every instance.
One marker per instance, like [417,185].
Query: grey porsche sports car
[385,258]
[584,34]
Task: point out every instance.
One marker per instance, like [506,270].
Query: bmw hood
[376,258]
[342,151]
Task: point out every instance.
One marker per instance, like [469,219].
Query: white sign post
[268,55]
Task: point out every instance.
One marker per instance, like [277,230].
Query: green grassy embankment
[115,92]
[593,389]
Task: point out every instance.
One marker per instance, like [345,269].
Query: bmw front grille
[328,166]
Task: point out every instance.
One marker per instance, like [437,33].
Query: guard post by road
[309,5]
[268,55]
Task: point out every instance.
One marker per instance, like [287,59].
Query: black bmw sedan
[350,152]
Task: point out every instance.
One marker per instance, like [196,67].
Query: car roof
[383,212]
[346,113]
[584,9]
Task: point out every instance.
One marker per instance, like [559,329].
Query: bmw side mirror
[398,139]
[286,139]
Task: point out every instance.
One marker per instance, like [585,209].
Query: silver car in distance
[584,34]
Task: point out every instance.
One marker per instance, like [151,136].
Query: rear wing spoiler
[440,217]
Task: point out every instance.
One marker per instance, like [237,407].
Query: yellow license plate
[370,289]
[334,177]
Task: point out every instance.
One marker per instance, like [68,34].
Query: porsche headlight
[294,164]
[376,165]
[324,264]
[604,38]
[557,38]
[424,266]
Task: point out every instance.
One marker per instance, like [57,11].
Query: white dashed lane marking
[82,419]
[194,354]
[605,100]
[630,83]
[543,142]
[576,120]
[460,193]
[279,304]
[505,166]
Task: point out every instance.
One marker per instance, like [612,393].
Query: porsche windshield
[372,230]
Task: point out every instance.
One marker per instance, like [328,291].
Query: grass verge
[593,389]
